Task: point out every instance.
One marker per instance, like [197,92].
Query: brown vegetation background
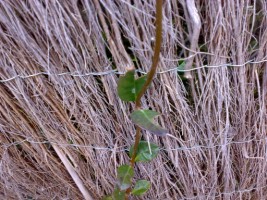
[63,126]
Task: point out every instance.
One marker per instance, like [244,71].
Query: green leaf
[129,87]
[143,153]
[144,119]
[107,198]
[141,187]
[125,174]
[181,66]
[118,195]
[180,69]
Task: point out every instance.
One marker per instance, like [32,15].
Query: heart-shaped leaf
[125,174]
[141,187]
[129,87]
[144,119]
[145,151]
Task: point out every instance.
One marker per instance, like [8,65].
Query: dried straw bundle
[63,133]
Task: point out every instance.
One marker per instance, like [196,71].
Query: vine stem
[149,79]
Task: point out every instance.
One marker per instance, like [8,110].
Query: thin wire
[60,74]
[75,74]
[123,149]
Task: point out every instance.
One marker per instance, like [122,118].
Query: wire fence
[76,74]
[123,148]
[117,149]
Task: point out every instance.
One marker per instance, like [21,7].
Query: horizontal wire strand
[75,74]
[122,148]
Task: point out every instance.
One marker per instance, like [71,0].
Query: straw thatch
[63,133]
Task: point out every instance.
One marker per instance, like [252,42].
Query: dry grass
[50,122]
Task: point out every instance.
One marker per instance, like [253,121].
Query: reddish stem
[150,76]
